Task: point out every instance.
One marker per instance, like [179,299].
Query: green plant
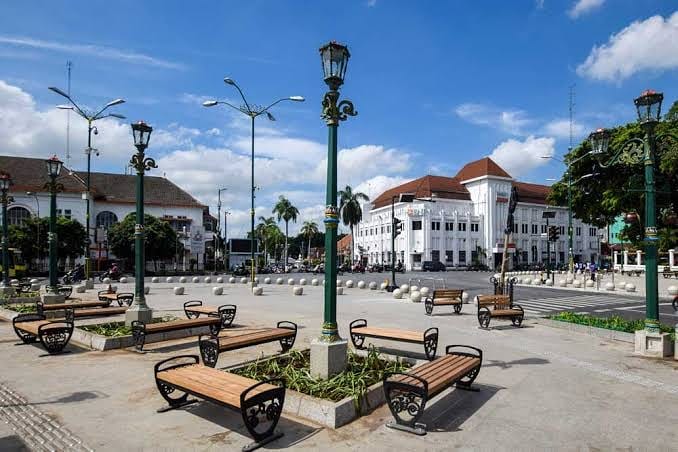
[118,329]
[361,373]
[20,295]
[22,308]
[615,323]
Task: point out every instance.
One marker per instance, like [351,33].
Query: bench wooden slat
[242,340]
[79,305]
[31,327]
[446,301]
[109,296]
[505,312]
[99,312]
[390,333]
[202,309]
[463,368]
[181,324]
[431,369]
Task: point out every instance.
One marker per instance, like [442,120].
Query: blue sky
[436,84]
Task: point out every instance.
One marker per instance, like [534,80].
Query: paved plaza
[540,387]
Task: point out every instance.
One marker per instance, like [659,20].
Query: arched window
[17,215]
[106,219]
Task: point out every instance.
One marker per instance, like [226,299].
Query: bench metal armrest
[430,332]
[358,323]
[40,308]
[157,367]
[287,343]
[139,334]
[54,336]
[209,349]
[287,325]
[30,317]
[478,354]
[517,306]
[191,303]
[261,412]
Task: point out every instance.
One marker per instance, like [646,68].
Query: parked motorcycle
[74,276]
[113,276]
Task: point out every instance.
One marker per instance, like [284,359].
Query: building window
[416,225]
[593,232]
[435,226]
[449,226]
[106,219]
[388,229]
[524,228]
[462,257]
[515,227]
[17,216]
[382,229]
[449,256]
[534,253]
[578,231]
[562,230]
[535,229]
[435,255]
[461,226]
[474,227]
[543,229]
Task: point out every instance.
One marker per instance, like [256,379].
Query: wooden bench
[79,305]
[121,298]
[444,297]
[141,329]
[211,346]
[52,334]
[408,393]
[498,306]
[667,273]
[194,308]
[429,338]
[260,402]
[84,312]
[105,295]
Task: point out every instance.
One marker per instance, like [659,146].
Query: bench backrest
[447,293]
[498,301]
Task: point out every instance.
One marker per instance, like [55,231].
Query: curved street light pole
[253,111]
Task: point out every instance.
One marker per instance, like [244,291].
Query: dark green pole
[569,221]
[253,240]
[87,214]
[393,256]
[5,241]
[548,250]
[139,242]
[52,237]
[651,286]
[330,331]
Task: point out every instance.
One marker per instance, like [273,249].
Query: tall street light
[90,116]
[139,311]
[218,240]
[633,152]
[328,353]
[5,183]
[252,111]
[54,166]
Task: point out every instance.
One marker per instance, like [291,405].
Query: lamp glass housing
[54,166]
[599,140]
[334,58]
[142,133]
[649,106]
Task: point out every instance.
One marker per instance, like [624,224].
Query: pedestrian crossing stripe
[543,305]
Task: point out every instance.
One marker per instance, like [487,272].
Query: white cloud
[539,4]
[375,186]
[649,45]
[371,3]
[582,7]
[508,120]
[560,128]
[91,50]
[520,157]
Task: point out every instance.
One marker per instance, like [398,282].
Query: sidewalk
[540,387]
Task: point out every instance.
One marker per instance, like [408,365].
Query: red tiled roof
[344,243]
[533,193]
[426,187]
[483,167]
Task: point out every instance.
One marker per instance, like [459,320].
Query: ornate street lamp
[54,166]
[5,183]
[329,348]
[633,152]
[90,116]
[139,311]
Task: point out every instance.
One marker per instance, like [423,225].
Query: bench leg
[261,413]
[465,382]
[428,305]
[407,403]
[173,402]
[358,341]
[457,308]
[139,334]
[484,317]
[209,350]
[517,321]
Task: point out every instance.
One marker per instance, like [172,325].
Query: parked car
[433,266]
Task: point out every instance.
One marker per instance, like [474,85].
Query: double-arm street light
[218,240]
[5,183]
[90,116]
[632,152]
[253,111]
[54,166]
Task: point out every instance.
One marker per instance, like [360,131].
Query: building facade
[112,197]
[460,220]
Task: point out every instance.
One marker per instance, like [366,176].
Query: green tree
[263,232]
[287,212]
[160,243]
[71,238]
[309,230]
[672,115]
[351,213]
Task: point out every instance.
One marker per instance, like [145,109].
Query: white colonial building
[113,196]
[464,222]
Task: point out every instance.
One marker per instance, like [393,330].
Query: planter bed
[331,412]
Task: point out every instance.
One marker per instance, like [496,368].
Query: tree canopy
[71,238]
[161,239]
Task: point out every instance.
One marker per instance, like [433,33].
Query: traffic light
[553,233]
[397,227]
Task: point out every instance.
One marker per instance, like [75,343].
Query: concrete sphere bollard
[405,288]
[630,287]
[349,283]
[279,281]
[549,282]
[562,283]
[383,286]
[672,290]
[576,283]
[147,290]
[220,280]
[373,285]
[155,279]
[123,280]
[79,289]
[231,280]
[195,279]
[257,291]
[590,283]
[207,279]
[35,287]
[183,280]
[536,282]
[217,290]
[519,280]
[340,283]
[414,289]
[609,286]
[243,280]
[267,280]
[314,282]
[425,291]
[361,284]
[415,296]
[340,291]
[620,285]
[34,281]
[169,279]
[464,297]
[569,280]
[290,281]
[178,291]
[527,280]
[302,282]
[397,294]
[256,280]
[106,281]
[298,290]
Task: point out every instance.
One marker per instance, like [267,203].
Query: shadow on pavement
[453,408]
[74,397]
[13,443]
[517,362]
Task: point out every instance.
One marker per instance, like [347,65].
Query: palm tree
[285,210]
[309,230]
[263,231]
[351,213]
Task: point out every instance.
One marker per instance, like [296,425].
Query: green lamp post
[54,166]
[139,311]
[5,183]
[632,152]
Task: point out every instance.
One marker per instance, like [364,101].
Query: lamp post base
[391,288]
[89,284]
[53,298]
[138,312]
[328,358]
[651,344]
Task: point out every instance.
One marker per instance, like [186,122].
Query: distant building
[240,252]
[466,220]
